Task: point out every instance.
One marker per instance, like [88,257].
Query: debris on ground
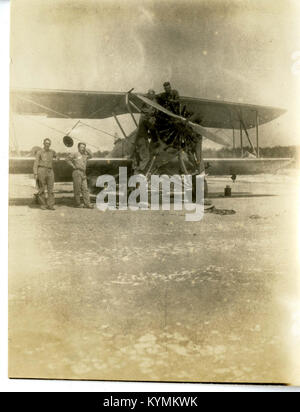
[222,212]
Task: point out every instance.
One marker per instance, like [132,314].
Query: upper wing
[226,115]
[69,104]
[99,105]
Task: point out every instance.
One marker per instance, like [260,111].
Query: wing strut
[241,137]
[119,124]
[129,108]
[257,136]
[233,140]
[248,137]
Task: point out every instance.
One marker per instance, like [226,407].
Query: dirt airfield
[123,295]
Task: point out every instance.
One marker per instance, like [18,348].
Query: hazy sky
[235,50]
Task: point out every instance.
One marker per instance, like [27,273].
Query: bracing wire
[64,116]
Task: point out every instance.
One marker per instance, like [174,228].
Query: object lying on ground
[223,212]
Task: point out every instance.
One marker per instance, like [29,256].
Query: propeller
[196,127]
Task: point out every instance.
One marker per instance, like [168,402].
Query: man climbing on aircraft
[169,98]
[44,175]
[146,130]
[78,163]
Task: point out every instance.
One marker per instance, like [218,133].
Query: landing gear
[194,177]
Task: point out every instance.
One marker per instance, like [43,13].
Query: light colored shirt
[78,161]
[44,158]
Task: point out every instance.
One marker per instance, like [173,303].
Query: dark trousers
[80,187]
[45,181]
[142,145]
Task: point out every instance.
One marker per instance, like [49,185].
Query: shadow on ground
[30,202]
[68,201]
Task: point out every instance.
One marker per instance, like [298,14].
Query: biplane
[176,133]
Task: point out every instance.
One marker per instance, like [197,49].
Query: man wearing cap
[78,163]
[169,98]
[44,175]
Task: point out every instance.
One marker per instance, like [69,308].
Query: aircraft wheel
[205,188]
[194,188]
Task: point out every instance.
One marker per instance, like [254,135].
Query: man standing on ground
[78,163]
[44,175]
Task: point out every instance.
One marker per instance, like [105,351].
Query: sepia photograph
[154,172]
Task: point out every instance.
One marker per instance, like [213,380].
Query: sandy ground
[148,296]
